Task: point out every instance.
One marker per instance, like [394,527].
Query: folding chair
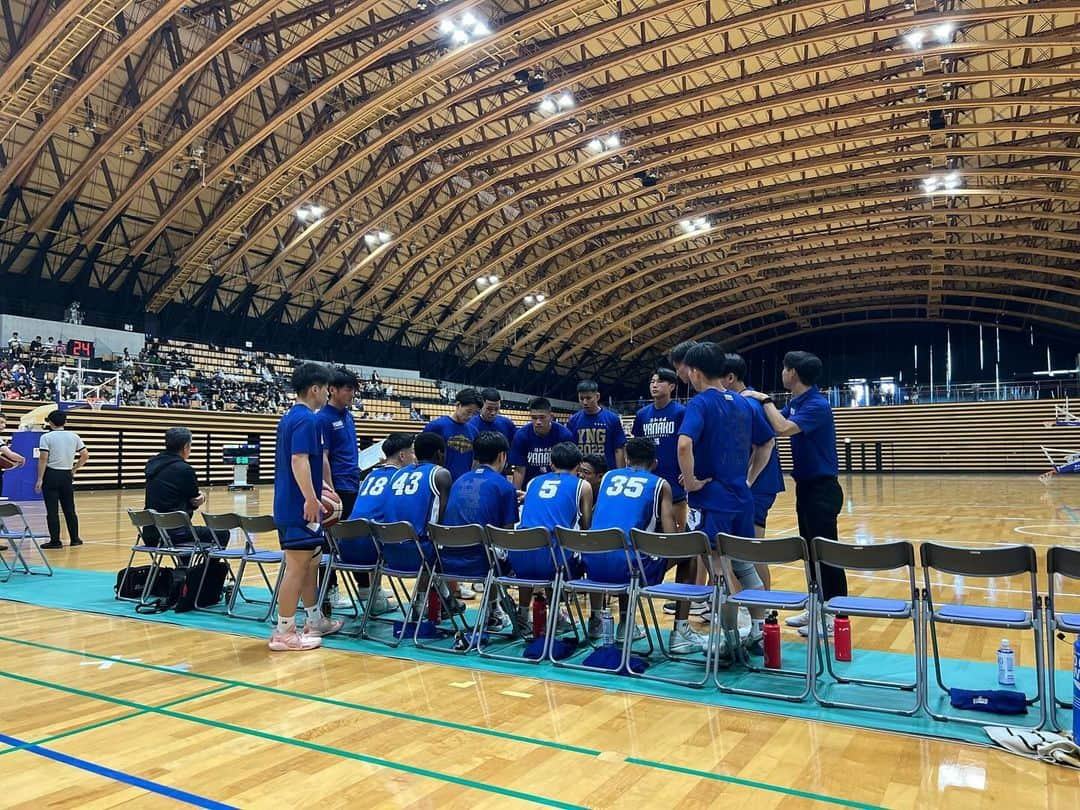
[357,535]
[877,557]
[405,558]
[196,552]
[778,551]
[1065,562]
[589,543]
[243,555]
[252,527]
[17,536]
[447,568]
[677,547]
[524,541]
[141,519]
[999,561]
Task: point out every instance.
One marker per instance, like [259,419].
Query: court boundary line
[442,723]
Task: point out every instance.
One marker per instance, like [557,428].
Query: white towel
[1043,745]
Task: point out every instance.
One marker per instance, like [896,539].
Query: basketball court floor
[104,711]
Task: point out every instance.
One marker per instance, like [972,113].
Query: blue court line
[117,776]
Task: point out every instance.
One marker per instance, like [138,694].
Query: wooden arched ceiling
[163,148]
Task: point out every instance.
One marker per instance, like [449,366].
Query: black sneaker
[52,544]
[76,542]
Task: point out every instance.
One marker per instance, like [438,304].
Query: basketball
[6,463]
[331,507]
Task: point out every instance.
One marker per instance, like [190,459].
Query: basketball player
[595,428]
[557,498]
[591,471]
[530,452]
[677,356]
[489,417]
[342,470]
[660,422]
[808,420]
[722,436]
[457,432]
[298,512]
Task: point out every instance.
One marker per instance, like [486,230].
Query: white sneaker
[639,632]
[294,641]
[684,641]
[322,627]
[564,624]
[798,620]
[466,592]
[804,631]
[696,608]
[497,620]
[382,604]
[339,600]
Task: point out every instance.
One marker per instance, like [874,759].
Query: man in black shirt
[171,487]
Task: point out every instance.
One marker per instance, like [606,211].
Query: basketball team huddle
[711,466]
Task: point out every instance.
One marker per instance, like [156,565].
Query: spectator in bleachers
[14,347]
[171,486]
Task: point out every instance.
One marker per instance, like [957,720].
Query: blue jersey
[600,433]
[533,452]
[629,498]
[297,434]
[483,496]
[551,500]
[373,494]
[662,426]
[771,479]
[339,438]
[500,424]
[723,426]
[459,439]
[813,450]
[413,497]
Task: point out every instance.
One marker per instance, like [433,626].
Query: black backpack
[213,587]
[135,580]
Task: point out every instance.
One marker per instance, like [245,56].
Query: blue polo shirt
[498,425]
[459,439]
[533,452]
[662,426]
[339,438]
[813,450]
[297,434]
[600,433]
[723,426]
[771,480]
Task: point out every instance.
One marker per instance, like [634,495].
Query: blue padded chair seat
[267,556]
[1069,622]
[227,554]
[402,573]
[980,614]
[868,604]
[678,590]
[526,583]
[586,584]
[786,599]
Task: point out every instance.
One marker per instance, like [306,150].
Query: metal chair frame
[198,553]
[352,530]
[16,539]
[142,519]
[249,553]
[1064,562]
[411,611]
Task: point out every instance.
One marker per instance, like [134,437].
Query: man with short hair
[808,420]
[530,451]
[591,470]
[298,512]
[595,428]
[457,431]
[489,417]
[61,455]
[660,422]
[677,356]
[171,486]
[341,470]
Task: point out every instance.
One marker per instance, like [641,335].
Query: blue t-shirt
[339,438]
[601,433]
[297,434]
[813,450]
[482,496]
[771,479]
[499,425]
[629,498]
[662,426]
[533,452]
[412,496]
[459,439]
[371,499]
[723,426]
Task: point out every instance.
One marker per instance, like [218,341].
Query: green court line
[766,786]
[298,743]
[113,720]
[801,794]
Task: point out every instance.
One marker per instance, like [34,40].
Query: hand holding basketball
[331,506]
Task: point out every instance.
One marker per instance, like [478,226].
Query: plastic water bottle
[1006,660]
[1076,689]
[607,628]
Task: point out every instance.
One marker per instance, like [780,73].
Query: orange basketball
[6,463]
[331,504]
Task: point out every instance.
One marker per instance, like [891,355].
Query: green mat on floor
[92,592]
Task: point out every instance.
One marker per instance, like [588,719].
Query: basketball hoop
[96,404]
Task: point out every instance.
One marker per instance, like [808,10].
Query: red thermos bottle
[772,641]
[434,606]
[539,615]
[842,638]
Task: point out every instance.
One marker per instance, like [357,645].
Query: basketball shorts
[468,561]
[300,538]
[740,524]
[762,504]
[611,567]
[358,551]
[405,557]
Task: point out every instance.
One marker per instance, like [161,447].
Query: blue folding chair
[1060,562]
[352,550]
[894,556]
[405,559]
[461,555]
[247,554]
[778,551]
[16,536]
[675,548]
[1007,561]
[142,519]
[173,528]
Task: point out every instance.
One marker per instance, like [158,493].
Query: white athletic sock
[759,626]
[314,614]
[286,625]
[682,625]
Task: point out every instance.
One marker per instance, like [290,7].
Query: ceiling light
[144,146]
[952,180]
[612,141]
[384,236]
[530,300]
[73,131]
[930,183]
[493,279]
[446,27]
[370,239]
[468,19]
[547,106]
[944,32]
[482,282]
[481,30]
[914,39]
[565,100]
[540,298]
[595,145]
[127,150]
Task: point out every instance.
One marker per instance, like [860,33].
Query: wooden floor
[222,718]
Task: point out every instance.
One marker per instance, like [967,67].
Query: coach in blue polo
[808,420]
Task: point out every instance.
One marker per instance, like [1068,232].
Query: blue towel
[560,648]
[994,701]
[610,657]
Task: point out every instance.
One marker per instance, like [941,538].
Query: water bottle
[842,638]
[1006,661]
[1076,690]
[772,641]
[539,615]
[607,628]
[434,606]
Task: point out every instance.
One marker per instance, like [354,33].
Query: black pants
[59,491]
[817,504]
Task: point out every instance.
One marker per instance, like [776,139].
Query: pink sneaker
[323,627]
[293,642]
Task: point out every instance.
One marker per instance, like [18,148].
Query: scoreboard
[80,348]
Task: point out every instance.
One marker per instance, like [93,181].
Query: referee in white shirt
[62,453]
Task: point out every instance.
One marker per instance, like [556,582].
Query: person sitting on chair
[171,486]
